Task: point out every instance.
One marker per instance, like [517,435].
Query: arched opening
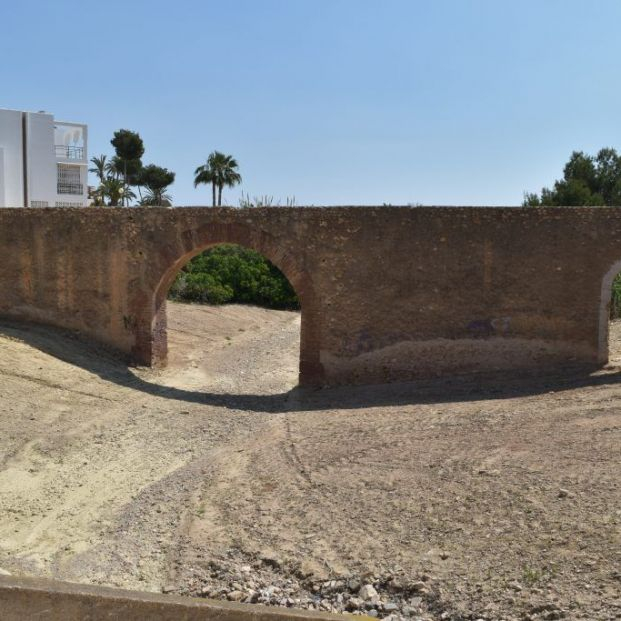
[231,318]
[609,350]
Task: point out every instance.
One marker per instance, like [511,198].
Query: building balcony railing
[64,187]
[69,152]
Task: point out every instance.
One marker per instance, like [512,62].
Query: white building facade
[43,162]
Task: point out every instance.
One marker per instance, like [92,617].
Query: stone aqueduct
[387,293]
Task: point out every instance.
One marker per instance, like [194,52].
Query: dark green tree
[129,150]
[121,168]
[127,145]
[156,179]
[219,171]
[587,181]
[608,164]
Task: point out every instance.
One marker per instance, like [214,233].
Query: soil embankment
[459,499]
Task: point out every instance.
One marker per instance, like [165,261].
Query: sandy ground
[461,499]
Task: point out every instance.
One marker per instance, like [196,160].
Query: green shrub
[231,274]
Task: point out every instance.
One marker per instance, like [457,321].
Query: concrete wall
[41,161]
[387,293]
[12,173]
[22,599]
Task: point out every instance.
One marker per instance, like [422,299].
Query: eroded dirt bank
[453,500]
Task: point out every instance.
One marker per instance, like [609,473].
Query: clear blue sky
[331,101]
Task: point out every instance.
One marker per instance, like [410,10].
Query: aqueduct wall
[387,293]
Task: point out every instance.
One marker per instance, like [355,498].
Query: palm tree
[220,170]
[99,167]
[204,174]
[156,198]
[116,191]
[97,196]
[115,167]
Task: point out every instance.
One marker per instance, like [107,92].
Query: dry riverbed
[454,500]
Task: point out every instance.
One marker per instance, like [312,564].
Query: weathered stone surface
[387,293]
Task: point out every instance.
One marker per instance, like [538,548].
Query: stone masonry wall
[387,293]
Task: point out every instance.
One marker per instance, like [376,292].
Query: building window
[68,179]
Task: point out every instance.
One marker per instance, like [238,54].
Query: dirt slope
[456,499]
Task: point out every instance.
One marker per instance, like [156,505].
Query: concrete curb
[22,599]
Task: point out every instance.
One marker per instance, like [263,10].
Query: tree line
[124,174]
[587,181]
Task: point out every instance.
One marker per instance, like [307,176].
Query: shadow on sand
[73,350]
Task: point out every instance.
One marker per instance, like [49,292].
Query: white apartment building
[43,162]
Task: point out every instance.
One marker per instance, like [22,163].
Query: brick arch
[192,242]
[604,312]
